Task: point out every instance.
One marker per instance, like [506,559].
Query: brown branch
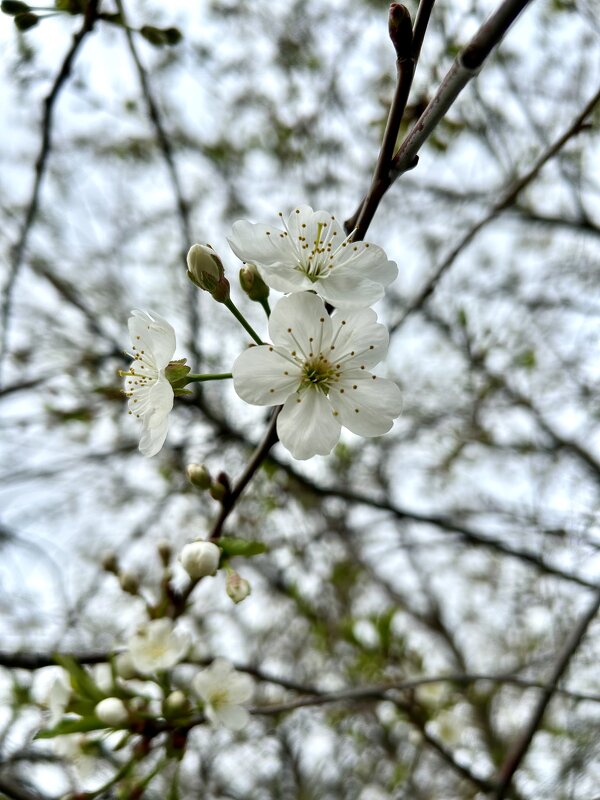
[507,199]
[521,746]
[407,43]
[15,789]
[465,67]
[18,253]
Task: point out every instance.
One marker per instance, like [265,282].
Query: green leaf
[241,547]
[81,681]
[159,36]
[67,726]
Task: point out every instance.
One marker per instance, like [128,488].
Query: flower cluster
[317,366]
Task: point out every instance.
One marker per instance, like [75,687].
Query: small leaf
[81,681]
[159,36]
[240,547]
[67,726]
[14,7]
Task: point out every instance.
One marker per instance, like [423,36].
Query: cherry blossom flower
[149,391]
[222,689]
[158,646]
[200,559]
[317,367]
[312,252]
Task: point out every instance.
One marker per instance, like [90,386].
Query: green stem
[191,377]
[242,320]
[265,304]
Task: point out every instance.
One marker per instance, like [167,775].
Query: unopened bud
[110,563]
[200,559]
[252,283]
[237,588]
[14,7]
[124,666]
[205,269]
[199,476]
[400,29]
[176,703]
[164,551]
[26,21]
[129,582]
[218,492]
[112,712]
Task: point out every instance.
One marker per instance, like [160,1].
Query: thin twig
[520,748]
[465,67]
[18,252]
[507,199]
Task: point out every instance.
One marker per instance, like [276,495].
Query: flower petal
[307,426]
[240,687]
[300,324]
[371,260]
[232,717]
[349,288]
[260,244]
[263,377]
[153,438]
[366,405]
[358,338]
[284,278]
[152,333]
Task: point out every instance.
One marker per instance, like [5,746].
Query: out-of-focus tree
[421,621]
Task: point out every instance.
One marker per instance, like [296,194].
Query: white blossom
[158,646]
[222,690]
[318,368]
[311,251]
[52,689]
[112,711]
[146,385]
[200,559]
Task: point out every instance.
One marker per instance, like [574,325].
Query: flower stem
[267,308]
[221,376]
[242,320]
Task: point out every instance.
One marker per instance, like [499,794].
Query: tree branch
[18,253]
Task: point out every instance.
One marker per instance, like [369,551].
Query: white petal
[285,277]
[152,333]
[299,323]
[233,717]
[358,332]
[370,408]
[152,439]
[259,376]
[349,288]
[259,244]
[370,259]
[240,687]
[306,425]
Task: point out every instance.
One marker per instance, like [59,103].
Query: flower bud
[200,559]
[26,21]
[14,7]
[112,712]
[129,582]
[164,550]
[199,476]
[124,666]
[237,587]
[253,284]
[205,269]
[110,563]
[175,703]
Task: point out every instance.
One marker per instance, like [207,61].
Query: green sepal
[81,681]
[177,371]
[231,546]
[66,726]
[181,392]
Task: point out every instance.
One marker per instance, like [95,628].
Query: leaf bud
[112,712]
[26,21]
[110,563]
[164,550]
[14,7]
[253,284]
[200,559]
[400,29]
[237,588]
[199,476]
[129,582]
